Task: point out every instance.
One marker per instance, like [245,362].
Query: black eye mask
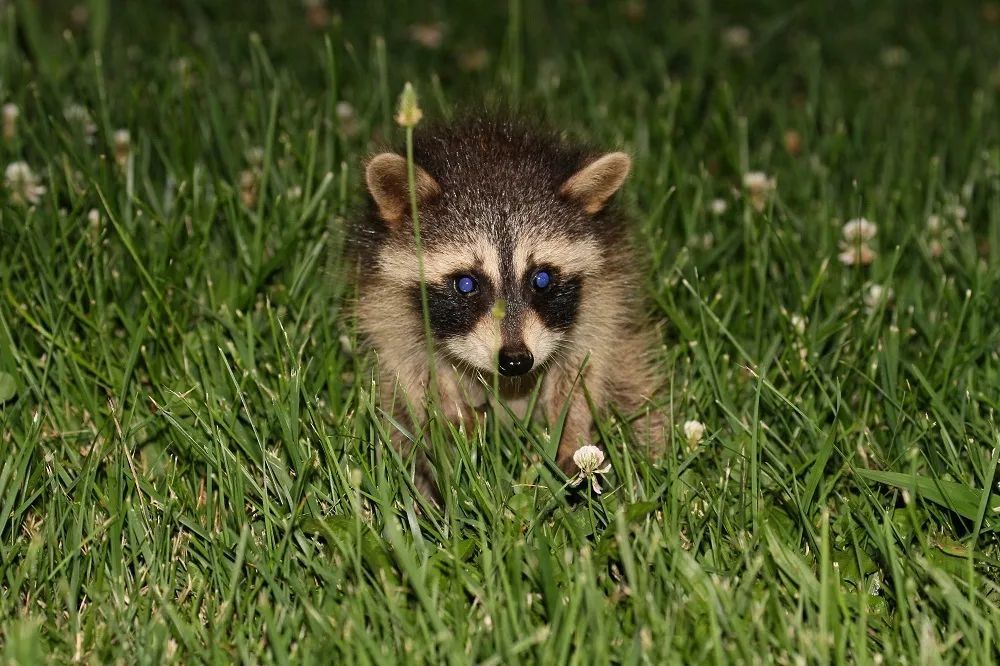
[453,313]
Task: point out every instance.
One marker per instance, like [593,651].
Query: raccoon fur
[531,275]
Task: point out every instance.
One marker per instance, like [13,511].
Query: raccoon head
[509,245]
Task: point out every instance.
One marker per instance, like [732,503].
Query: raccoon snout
[515,361]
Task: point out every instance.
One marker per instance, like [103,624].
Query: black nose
[515,361]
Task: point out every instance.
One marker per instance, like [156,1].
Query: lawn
[193,467]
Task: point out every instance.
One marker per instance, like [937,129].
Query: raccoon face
[501,310]
[504,282]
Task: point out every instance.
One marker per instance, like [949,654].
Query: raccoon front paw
[465,416]
[428,488]
[423,480]
[568,465]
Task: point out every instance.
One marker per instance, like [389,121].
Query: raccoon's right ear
[388,183]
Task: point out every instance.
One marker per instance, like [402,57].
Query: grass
[192,466]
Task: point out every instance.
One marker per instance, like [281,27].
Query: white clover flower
[736,37]
[634,10]
[181,67]
[694,431]
[855,249]
[428,35]
[24,186]
[589,459]
[895,56]
[760,186]
[345,344]
[317,13]
[94,224]
[254,156]
[78,116]
[79,14]
[792,141]
[956,211]
[877,295]
[859,229]
[718,206]
[248,187]
[347,119]
[122,142]
[758,181]
[856,255]
[10,115]
[473,60]
[344,111]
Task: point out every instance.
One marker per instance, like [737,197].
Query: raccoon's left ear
[593,185]
[389,185]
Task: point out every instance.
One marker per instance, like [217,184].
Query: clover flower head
[10,114]
[122,142]
[736,37]
[876,296]
[25,187]
[856,255]
[694,431]
[859,229]
[855,248]
[590,460]
[428,35]
[759,186]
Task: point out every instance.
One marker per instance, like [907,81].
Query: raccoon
[531,276]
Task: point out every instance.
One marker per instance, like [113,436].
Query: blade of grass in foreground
[960,498]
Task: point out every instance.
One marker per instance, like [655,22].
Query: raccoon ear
[593,185]
[388,183]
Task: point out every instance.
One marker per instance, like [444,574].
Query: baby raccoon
[530,275]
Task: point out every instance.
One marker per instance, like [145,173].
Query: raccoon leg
[562,389]
[632,388]
[406,391]
[461,401]
[402,394]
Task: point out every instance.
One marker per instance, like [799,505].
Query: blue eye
[541,280]
[465,284]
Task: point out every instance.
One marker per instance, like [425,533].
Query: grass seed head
[409,113]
